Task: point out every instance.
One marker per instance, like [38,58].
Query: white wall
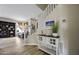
[69,30]
[7,19]
[42,25]
[72,12]
[19,12]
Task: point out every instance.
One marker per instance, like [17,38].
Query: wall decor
[49,23]
[7,29]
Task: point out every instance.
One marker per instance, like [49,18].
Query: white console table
[48,44]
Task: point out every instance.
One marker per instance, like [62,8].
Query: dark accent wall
[7,29]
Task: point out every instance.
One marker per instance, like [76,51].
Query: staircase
[31,39]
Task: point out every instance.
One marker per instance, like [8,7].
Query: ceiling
[42,6]
[21,12]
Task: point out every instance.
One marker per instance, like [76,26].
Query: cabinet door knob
[50,39]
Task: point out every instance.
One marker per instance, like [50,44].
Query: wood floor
[16,47]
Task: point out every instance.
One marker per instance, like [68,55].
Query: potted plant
[55,27]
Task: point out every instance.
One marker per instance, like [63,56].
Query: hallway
[14,46]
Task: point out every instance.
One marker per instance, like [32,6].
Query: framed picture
[49,23]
